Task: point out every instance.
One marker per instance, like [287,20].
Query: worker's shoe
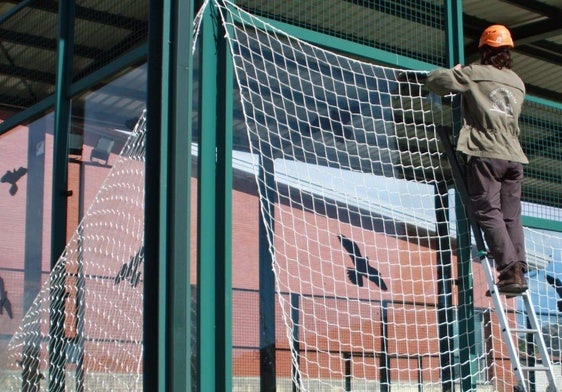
[512,281]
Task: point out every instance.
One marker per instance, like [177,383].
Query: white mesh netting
[84,329]
[356,195]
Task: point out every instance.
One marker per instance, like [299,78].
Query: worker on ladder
[492,97]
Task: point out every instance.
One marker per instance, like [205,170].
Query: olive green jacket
[491,105]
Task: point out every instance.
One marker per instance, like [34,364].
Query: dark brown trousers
[494,187]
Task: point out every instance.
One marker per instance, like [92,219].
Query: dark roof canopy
[536,27]
[106,29]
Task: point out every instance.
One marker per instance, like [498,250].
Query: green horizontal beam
[135,56]
[343,46]
[541,223]
[545,102]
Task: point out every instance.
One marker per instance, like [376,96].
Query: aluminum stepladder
[535,329]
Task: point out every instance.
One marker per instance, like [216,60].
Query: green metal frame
[466,319]
[167,288]
[215,208]
[542,224]
[175,196]
[135,56]
[344,46]
[545,102]
[57,341]
[154,288]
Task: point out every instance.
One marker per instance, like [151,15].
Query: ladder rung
[524,330]
[535,368]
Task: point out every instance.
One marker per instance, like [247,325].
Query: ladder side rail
[545,357]
[458,175]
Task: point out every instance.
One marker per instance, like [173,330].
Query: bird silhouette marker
[130,271]
[11,177]
[361,268]
[4,301]
[557,284]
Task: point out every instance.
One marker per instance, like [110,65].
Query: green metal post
[455,32]
[169,105]
[34,221]
[206,341]
[467,349]
[266,277]
[444,287]
[177,69]
[214,208]
[154,289]
[223,271]
[57,341]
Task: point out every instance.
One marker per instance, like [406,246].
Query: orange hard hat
[496,36]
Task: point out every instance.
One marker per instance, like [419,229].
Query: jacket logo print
[502,101]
